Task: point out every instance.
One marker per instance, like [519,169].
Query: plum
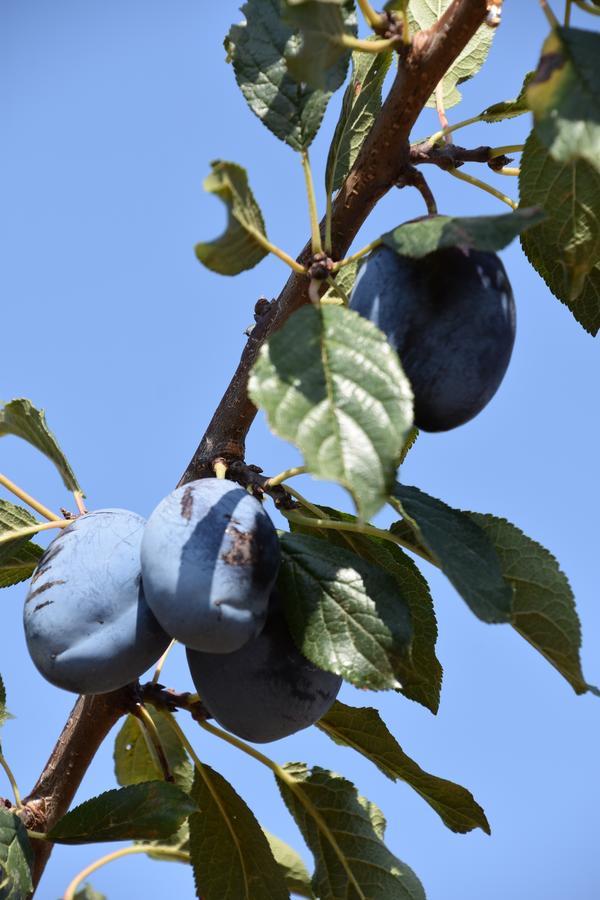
[87,625]
[451,318]
[267,690]
[210,556]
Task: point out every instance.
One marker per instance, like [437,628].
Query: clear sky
[110,112]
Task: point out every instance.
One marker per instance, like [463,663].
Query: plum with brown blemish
[267,690]
[210,557]
[450,316]
[87,625]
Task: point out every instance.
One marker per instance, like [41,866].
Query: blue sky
[111,113]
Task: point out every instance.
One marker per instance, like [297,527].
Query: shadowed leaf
[363,730]
[16,858]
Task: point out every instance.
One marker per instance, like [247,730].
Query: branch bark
[384,157]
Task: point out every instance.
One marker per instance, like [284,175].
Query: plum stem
[356,256]
[220,469]
[374,19]
[28,499]
[483,187]
[439,135]
[315,230]
[13,782]
[441,111]
[283,476]
[504,151]
[164,850]
[153,740]
[368,46]
[547,10]
[33,529]
[292,785]
[79,502]
[161,662]
[509,170]
[356,527]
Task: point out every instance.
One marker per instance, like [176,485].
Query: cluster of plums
[112,590]
[450,315]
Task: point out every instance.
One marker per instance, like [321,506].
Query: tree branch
[451,156]
[384,157]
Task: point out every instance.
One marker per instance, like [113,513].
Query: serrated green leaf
[147,811]
[343,284]
[417,239]
[463,551]
[239,247]
[16,858]
[543,604]
[292,867]
[345,834]
[320,25]
[364,731]
[361,104]
[292,112]
[331,384]
[423,14]
[508,109]
[346,615]
[421,673]
[87,892]
[135,764]
[20,564]
[12,519]
[22,419]
[230,853]
[565,248]
[410,442]
[565,96]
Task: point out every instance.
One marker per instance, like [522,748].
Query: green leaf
[292,867]
[342,285]
[508,109]
[565,248]
[421,673]
[463,551]
[321,27]
[16,858]
[240,246]
[134,763]
[331,384]
[543,604]
[230,854]
[345,834]
[346,615]
[362,102]
[22,419]
[20,564]
[148,811]
[87,892]
[4,713]
[565,96]
[364,731]
[425,13]
[257,48]
[417,239]
[12,519]
[411,440]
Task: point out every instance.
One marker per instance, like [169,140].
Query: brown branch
[381,162]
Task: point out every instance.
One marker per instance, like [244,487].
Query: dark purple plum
[210,556]
[268,689]
[87,625]
[451,318]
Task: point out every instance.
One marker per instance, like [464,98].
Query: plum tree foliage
[275,622]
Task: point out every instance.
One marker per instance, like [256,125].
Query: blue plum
[87,625]
[210,556]
[451,318]
[268,689]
